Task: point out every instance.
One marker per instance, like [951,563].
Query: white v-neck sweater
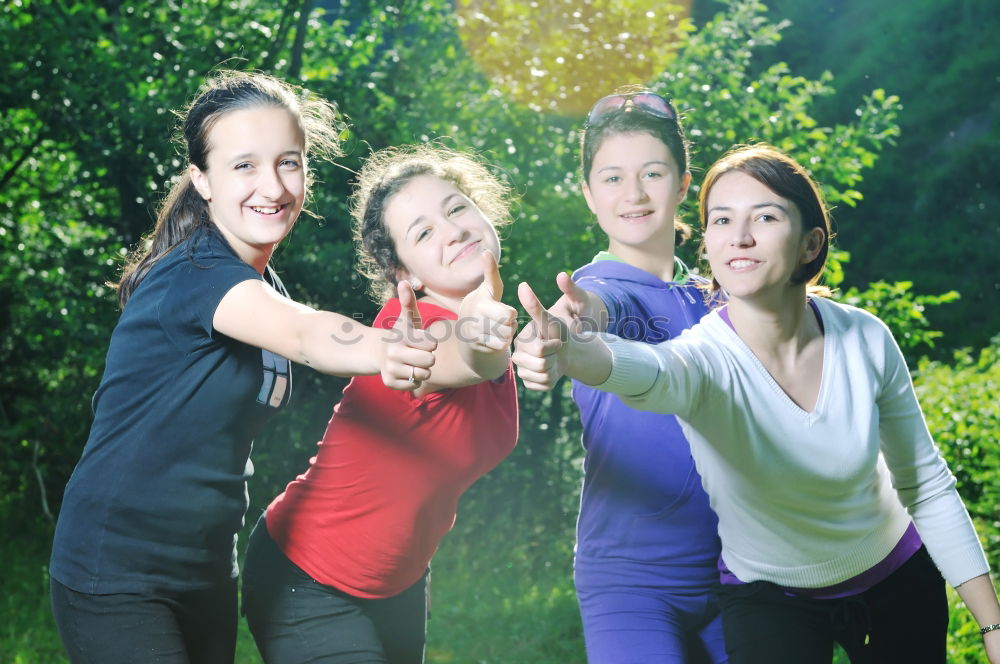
[805,499]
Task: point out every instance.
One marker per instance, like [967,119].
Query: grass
[28,632]
[496,599]
[507,600]
[502,602]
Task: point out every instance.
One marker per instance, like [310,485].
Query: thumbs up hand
[538,349]
[485,323]
[409,350]
[581,310]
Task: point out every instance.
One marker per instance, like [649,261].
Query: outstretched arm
[256,314]
[476,347]
[981,598]
[547,348]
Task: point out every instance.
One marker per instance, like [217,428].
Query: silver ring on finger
[411,379]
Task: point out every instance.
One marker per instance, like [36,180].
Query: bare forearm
[460,363]
[254,313]
[588,358]
[486,366]
[980,597]
[334,344]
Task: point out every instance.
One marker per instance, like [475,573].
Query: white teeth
[740,264]
[633,215]
[265,210]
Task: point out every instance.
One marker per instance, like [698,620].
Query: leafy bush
[85,120]
[961,402]
[901,310]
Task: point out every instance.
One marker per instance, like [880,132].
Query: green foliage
[54,319]
[28,634]
[961,402]
[931,204]
[85,118]
[901,310]
[501,599]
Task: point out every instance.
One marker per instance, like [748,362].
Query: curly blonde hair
[385,173]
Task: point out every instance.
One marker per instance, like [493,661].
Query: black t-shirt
[160,492]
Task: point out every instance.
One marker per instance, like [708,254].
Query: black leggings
[294,618]
[163,628]
[903,619]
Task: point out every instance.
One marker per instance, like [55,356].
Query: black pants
[903,619]
[196,627]
[294,618]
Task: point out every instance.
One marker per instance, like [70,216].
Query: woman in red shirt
[336,569]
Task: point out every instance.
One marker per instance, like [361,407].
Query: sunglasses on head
[647,102]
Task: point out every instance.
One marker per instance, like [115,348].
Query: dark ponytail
[184,211]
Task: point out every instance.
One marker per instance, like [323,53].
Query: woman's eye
[289,163]
[654,174]
[423,234]
[719,221]
[767,218]
[614,179]
[243,166]
[456,209]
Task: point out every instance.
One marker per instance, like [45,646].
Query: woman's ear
[200,182]
[812,243]
[587,197]
[685,184]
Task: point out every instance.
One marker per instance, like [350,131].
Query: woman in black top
[143,564]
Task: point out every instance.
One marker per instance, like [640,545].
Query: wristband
[989,628]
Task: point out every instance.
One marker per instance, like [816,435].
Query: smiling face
[634,187]
[754,238]
[439,234]
[255,183]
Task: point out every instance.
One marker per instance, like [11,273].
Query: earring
[415,283]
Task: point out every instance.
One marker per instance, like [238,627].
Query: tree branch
[279,39]
[9,174]
[41,483]
[295,66]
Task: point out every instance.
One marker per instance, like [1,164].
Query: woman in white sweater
[836,510]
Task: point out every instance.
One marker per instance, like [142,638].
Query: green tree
[929,214]
[102,107]
[85,117]
[961,401]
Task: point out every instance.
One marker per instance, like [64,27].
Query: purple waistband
[907,545]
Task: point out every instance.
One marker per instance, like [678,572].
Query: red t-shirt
[383,488]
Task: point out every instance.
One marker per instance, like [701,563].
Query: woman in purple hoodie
[647,546]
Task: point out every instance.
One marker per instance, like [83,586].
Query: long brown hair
[183,210]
